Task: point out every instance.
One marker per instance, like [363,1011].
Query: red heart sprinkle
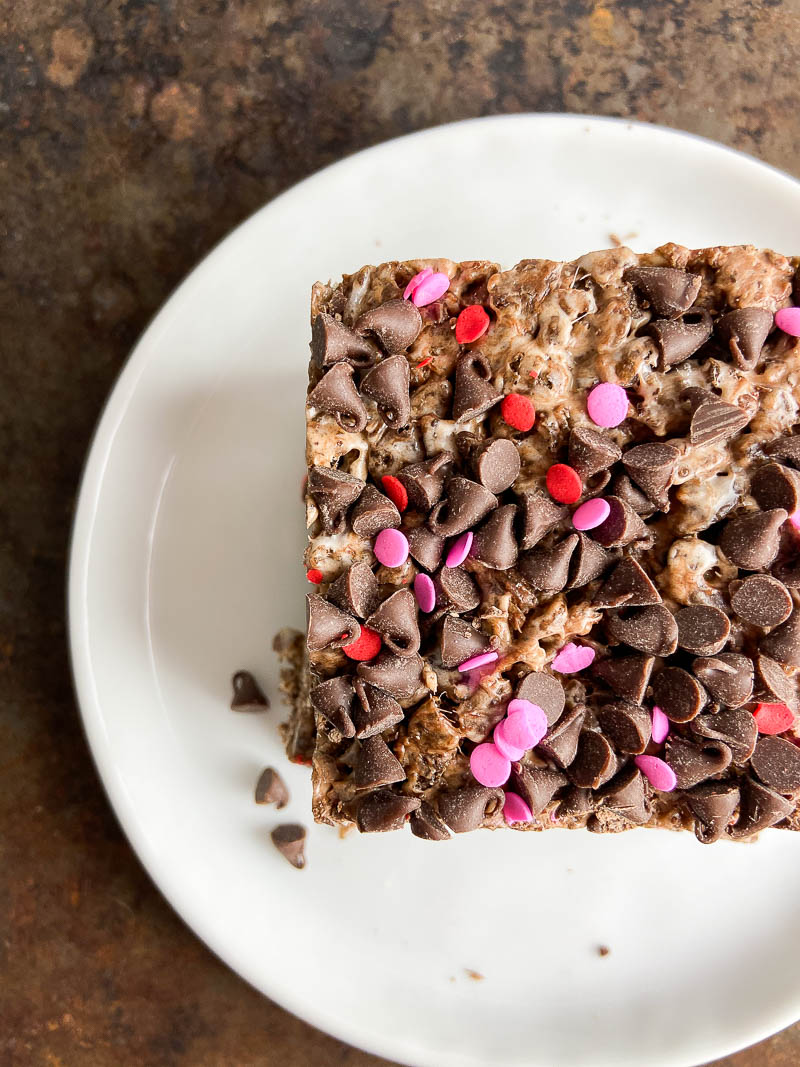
[366,647]
[773,718]
[518,411]
[563,484]
[396,491]
[472,323]
[314,576]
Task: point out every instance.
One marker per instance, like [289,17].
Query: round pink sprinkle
[515,809]
[489,766]
[430,289]
[459,550]
[391,548]
[525,725]
[788,320]
[426,272]
[477,661]
[607,404]
[660,775]
[425,592]
[794,519]
[508,750]
[591,514]
[573,658]
[660,729]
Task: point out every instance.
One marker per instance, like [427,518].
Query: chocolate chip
[271,788]
[425,547]
[786,449]
[396,621]
[290,841]
[424,481]
[460,641]
[399,675]
[396,324]
[745,330]
[677,339]
[627,676]
[702,629]
[787,571]
[761,600]
[466,808]
[622,487]
[728,677]
[327,626]
[383,810]
[373,512]
[247,693]
[336,395]
[473,393]
[783,644]
[495,545]
[333,342]
[544,690]
[561,741]
[759,808]
[356,591]
[387,384]
[692,764]
[587,562]
[547,569]
[374,710]
[591,451]
[627,724]
[456,590]
[751,541]
[669,291]
[652,467]
[465,504]
[776,761]
[774,680]
[538,515]
[333,492]
[376,765]
[652,629]
[625,795]
[678,694]
[776,486]
[427,824]
[536,785]
[497,465]
[333,700]
[576,802]
[713,805]
[627,586]
[715,420]
[594,763]
[736,727]
[621,527]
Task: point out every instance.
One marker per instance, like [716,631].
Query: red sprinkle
[396,491]
[314,576]
[472,323]
[518,411]
[305,761]
[533,373]
[424,362]
[773,718]
[366,647]
[563,484]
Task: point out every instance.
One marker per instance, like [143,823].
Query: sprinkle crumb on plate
[603,950]
[476,976]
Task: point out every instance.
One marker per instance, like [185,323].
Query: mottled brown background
[132,137]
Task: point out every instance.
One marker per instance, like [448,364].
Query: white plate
[186,560]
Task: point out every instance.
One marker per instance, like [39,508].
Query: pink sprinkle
[489,766]
[460,549]
[430,289]
[525,725]
[553,816]
[478,661]
[426,272]
[660,729]
[573,658]
[788,320]
[607,404]
[391,548]
[591,514]
[515,809]
[508,750]
[425,592]
[659,774]
[794,519]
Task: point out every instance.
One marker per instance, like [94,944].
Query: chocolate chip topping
[588,562]
[396,324]
[627,586]
[677,339]
[594,763]
[466,808]
[427,824]
[333,700]
[736,727]
[745,330]
[333,492]
[652,467]
[788,572]
[776,486]
[547,569]
[702,629]
[456,590]
[538,516]
[473,393]
[374,710]
[627,724]
[465,504]
[678,694]
[376,765]
[652,630]
[576,802]
[591,451]
[387,384]
[424,481]
[669,291]
[728,677]
[536,785]
[786,449]
[544,690]
[384,810]
[783,644]
[713,805]
[776,761]
[774,681]
[761,600]
[460,641]
[336,395]
[399,675]
[495,545]
[247,693]
[751,541]
[693,763]
[759,807]
[327,626]
[715,420]
[425,547]
[396,621]
[623,487]
[271,788]
[621,527]
[497,465]
[625,794]
[373,512]
[627,676]
[333,342]
[290,841]
[561,742]
[356,591]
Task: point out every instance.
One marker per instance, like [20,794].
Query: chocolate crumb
[603,950]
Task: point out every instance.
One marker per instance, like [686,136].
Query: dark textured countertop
[133,135]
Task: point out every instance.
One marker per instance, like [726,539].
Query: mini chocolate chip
[669,291]
[591,451]
[745,330]
[424,481]
[627,724]
[538,516]
[786,449]
[334,700]
[456,590]
[427,824]
[356,591]
[383,810]
[497,465]
[336,395]
[702,629]
[536,785]
[692,764]
[678,694]
[751,541]
[494,544]
[271,788]
[761,600]
[774,681]
[466,808]
[627,586]
[576,802]
[247,693]
[776,486]
[374,710]
[776,761]
[473,393]
[561,741]
[333,342]
[652,629]
[627,676]
[594,763]
[547,569]
[373,512]
[625,794]
[396,324]
[783,644]
[728,677]
[759,808]
[290,841]
[327,626]
[401,676]
[544,690]
[376,765]
[460,641]
[677,339]
[587,562]
[621,527]
[465,504]
[736,727]
[425,547]
[652,467]
[713,805]
[715,420]
[387,384]
[622,487]
[333,492]
[396,621]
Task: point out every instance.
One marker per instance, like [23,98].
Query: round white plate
[186,559]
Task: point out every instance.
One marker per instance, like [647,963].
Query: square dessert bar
[552,535]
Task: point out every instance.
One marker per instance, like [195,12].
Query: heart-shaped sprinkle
[591,514]
[396,491]
[459,550]
[391,548]
[658,773]
[472,323]
[607,404]
[526,723]
[489,766]
[563,483]
[573,658]
[430,288]
[659,730]
[504,746]
[425,592]
[788,320]
[773,718]
[416,281]
[515,809]
[477,661]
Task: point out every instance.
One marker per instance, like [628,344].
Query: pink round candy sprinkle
[430,289]
[508,750]
[573,658]
[788,320]
[794,519]
[515,809]
[535,723]
[426,272]
[658,773]
[459,550]
[425,592]
[591,514]
[477,661]
[489,766]
[660,728]
[391,548]
[607,404]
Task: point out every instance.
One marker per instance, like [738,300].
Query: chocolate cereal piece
[247,693]
[761,600]
[290,841]
[271,788]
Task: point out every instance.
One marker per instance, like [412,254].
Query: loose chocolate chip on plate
[271,788]
[677,339]
[456,590]
[336,395]
[387,384]
[495,545]
[464,505]
[290,841]
[466,808]
[333,699]
[425,547]
[538,516]
[776,486]
[627,676]
[333,492]
[398,675]
[356,591]
[625,794]
[427,824]
[547,569]
[786,449]
[713,805]
[327,626]
[652,467]
[627,586]
[247,693]
[374,710]
[587,562]
[383,810]
[678,694]
[736,727]
[396,621]
[774,681]
[715,420]
[728,677]
[669,291]
[373,512]
[752,541]
[621,527]
[783,644]
[776,761]
[497,465]
[544,690]
[702,629]
[424,481]
[396,324]
[745,330]
[692,763]
[652,630]
[333,342]
[536,785]
[761,600]
[473,393]
[627,724]
[591,451]
[759,808]
[594,763]
[460,641]
[376,765]
[561,741]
